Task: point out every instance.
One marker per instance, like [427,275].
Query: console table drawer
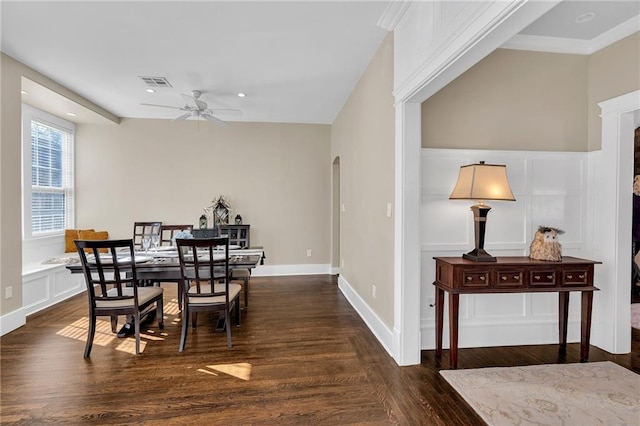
[579,277]
[543,278]
[478,279]
[510,279]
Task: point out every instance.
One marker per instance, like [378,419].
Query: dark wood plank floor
[302,356]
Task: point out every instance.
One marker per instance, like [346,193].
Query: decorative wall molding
[550,189]
[426,62]
[48,285]
[413,84]
[392,14]
[611,210]
[574,46]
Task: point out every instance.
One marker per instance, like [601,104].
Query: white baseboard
[537,332]
[12,321]
[377,327]
[278,270]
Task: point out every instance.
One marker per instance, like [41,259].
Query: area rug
[598,393]
[635,315]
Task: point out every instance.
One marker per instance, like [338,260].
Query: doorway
[335,217]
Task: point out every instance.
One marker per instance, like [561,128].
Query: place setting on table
[151,254]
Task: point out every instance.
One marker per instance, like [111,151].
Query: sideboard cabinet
[238,234]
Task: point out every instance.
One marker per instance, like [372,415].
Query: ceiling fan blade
[213,119]
[228,111]
[182,117]
[161,106]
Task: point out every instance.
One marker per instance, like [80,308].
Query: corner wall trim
[12,320]
[377,327]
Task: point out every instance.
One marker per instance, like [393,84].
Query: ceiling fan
[194,107]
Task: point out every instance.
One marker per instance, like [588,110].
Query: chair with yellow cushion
[70,235]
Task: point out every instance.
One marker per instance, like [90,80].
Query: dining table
[161,264]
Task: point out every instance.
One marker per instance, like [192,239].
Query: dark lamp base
[479,255]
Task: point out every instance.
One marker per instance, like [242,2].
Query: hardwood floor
[301,356]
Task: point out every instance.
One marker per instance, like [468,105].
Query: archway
[335,216]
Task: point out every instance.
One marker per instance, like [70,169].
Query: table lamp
[481,182]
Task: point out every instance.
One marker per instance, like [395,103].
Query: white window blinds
[51,198]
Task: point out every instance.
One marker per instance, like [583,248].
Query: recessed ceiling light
[151,91]
[72,114]
[241,95]
[585,17]
[24,92]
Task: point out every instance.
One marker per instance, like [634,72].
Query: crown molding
[574,46]
[392,14]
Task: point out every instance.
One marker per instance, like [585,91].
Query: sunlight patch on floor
[78,330]
[240,370]
[128,345]
[202,370]
[171,307]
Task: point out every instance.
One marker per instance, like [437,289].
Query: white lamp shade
[482,182]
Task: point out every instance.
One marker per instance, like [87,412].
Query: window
[48,173]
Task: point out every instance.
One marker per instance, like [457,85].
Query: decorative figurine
[238,219]
[220,208]
[203,221]
[545,244]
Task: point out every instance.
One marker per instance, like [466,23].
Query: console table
[457,276]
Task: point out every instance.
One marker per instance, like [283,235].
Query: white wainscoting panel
[47,286]
[551,190]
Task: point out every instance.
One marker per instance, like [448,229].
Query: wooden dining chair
[169,231]
[243,276]
[140,229]
[204,268]
[112,286]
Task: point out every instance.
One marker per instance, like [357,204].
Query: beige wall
[276,176]
[363,138]
[525,100]
[512,99]
[10,190]
[11,73]
[613,71]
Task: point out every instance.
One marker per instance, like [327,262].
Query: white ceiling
[297,61]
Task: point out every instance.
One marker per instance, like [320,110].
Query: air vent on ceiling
[155,81]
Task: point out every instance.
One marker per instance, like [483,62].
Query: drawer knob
[549,277]
[581,277]
[481,278]
[516,277]
[537,277]
[503,278]
[469,278]
[570,276]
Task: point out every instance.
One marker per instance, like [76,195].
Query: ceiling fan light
[585,17]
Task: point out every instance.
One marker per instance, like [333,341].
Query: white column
[612,210]
[406,328]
